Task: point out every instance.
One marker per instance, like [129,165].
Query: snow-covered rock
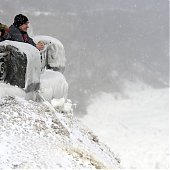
[31,136]
[33,60]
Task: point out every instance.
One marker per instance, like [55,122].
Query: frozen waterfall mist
[107,43]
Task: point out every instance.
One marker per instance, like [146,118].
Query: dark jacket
[1,39]
[15,34]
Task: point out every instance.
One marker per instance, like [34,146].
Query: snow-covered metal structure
[53,56]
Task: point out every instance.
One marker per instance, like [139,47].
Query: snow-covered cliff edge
[32,137]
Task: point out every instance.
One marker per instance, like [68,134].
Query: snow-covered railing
[43,54]
[53,56]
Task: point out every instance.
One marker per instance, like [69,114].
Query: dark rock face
[16,66]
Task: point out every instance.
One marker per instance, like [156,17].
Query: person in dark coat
[17,64]
[18,32]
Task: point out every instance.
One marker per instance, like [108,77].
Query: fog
[107,43]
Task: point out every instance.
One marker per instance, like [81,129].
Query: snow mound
[53,85]
[32,137]
[8,90]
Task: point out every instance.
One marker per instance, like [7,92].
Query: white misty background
[110,45]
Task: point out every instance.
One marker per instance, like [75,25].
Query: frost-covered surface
[33,60]
[135,125]
[8,90]
[55,53]
[32,137]
[53,85]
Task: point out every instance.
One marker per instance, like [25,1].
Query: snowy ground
[32,137]
[135,126]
